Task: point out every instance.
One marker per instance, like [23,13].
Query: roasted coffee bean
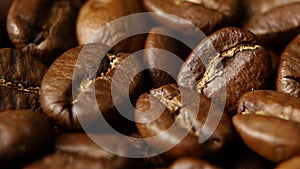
[61,160]
[256,7]
[288,80]
[270,103]
[4,8]
[157,39]
[93,77]
[20,80]
[79,151]
[292,163]
[229,60]
[186,119]
[24,134]
[276,27]
[273,138]
[96,14]
[192,163]
[206,15]
[43,28]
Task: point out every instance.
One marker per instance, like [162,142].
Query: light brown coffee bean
[292,163]
[273,138]
[270,103]
[95,14]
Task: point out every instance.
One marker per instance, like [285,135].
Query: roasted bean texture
[151,84]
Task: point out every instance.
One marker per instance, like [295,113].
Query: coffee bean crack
[114,61]
[20,87]
[214,68]
[172,101]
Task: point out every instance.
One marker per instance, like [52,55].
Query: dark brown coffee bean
[292,163]
[277,26]
[256,7]
[41,27]
[270,103]
[24,134]
[192,163]
[20,79]
[157,39]
[96,14]
[185,119]
[64,107]
[288,80]
[229,60]
[273,138]
[206,15]
[79,151]
[4,8]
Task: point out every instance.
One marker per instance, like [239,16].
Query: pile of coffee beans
[152,84]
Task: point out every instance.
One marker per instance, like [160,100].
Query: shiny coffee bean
[256,7]
[95,14]
[273,138]
[165,102]
[43,28]
[77,150]
[157,39]
[192,163]
[229,60]
[270,103]
[64,102]
[4,8]
[20,80]
[24,134]
[277,26]
[288,79]
[292,163]
[206,15]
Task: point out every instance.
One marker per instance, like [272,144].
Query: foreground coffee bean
[79,151]
[157,39]
[20,80]
[64,102]
[273,138]
[192,163]
[270,103]
[206,15]
[292,163]
[229,61]
[277,26]
[185,119]
[96,14]
[288,80]
[24,134]
[43,28]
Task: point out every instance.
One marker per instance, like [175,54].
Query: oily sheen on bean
[95,65]
[231,62]
[288,79]
[165,102]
